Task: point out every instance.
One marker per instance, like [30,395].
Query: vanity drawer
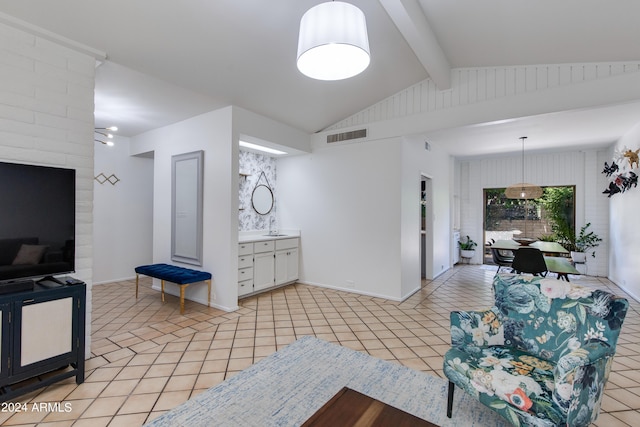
[245,261]
[286,244]
[245,274]
[245,248]
[245,287]
[267,246]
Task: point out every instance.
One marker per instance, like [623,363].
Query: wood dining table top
[545,247]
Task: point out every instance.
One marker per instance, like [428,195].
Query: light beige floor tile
[150,385]
[171,399]
[106,406]
[180,383]
[139,403]
[120,388]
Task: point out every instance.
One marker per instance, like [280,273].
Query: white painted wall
[122,213]
[217,133]
[211,132]
[346,202]
[357,206]
[46,118]
[579,168]
[624,229]
[435,164]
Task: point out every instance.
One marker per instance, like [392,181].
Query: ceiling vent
[346,136]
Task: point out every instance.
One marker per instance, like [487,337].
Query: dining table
[547,248]
[561,267]
[554,256]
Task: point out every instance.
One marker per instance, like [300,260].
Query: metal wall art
[111,179]
[621,171]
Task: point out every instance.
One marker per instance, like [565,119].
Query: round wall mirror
[262,199]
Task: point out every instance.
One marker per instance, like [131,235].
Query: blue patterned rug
[289,386]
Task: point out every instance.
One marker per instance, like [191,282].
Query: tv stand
[43,332]
[19,285]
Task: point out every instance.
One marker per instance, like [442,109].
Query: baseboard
[123,279]
[410,294]
[198,300]
[351,290]
[441,273]
[626,289]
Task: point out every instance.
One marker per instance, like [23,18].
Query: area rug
[289,386]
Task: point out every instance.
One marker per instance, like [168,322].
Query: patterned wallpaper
[253,164]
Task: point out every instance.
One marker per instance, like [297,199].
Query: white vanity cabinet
[286,261]
[264,264]
[245,268]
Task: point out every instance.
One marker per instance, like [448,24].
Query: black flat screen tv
[37,221]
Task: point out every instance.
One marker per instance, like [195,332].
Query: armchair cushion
[541,355]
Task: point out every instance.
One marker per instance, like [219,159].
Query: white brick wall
[46,117]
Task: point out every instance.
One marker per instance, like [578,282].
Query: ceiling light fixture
[523,190]
[260,148]
[109,136]
[333,42]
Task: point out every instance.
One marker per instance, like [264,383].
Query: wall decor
[186,207]
[252,165]
[262,196]
[621,171]
[111,179]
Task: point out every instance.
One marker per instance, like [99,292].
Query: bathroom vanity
[266,261]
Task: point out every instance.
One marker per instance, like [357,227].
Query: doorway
[426,227]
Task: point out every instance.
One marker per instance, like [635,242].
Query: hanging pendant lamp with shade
[523,190]
[333,43]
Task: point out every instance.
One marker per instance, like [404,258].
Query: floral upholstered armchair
[541,356]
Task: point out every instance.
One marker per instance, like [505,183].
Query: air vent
[346,136]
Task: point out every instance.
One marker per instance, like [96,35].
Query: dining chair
[529,260]
[501,259]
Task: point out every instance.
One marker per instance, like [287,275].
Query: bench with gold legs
[181,276]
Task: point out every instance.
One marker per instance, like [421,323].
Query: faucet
[272,229]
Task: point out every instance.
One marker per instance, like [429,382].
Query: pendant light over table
[333,43]
[523,190]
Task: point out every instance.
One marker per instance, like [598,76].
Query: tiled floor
[147,358]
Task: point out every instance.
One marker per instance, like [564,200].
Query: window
[551,217]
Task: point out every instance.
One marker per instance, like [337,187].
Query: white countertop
[260,235]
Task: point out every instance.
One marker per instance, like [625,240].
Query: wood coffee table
[351,408]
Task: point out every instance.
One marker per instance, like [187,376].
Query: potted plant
[582,243]
[467,248]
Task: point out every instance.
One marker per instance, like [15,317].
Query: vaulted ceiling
[168,60]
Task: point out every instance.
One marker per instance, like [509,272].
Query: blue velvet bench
[181,276]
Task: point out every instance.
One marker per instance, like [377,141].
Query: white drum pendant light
[333,42]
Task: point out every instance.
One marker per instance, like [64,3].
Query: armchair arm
[579,379]
[476,328]
[582,356]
